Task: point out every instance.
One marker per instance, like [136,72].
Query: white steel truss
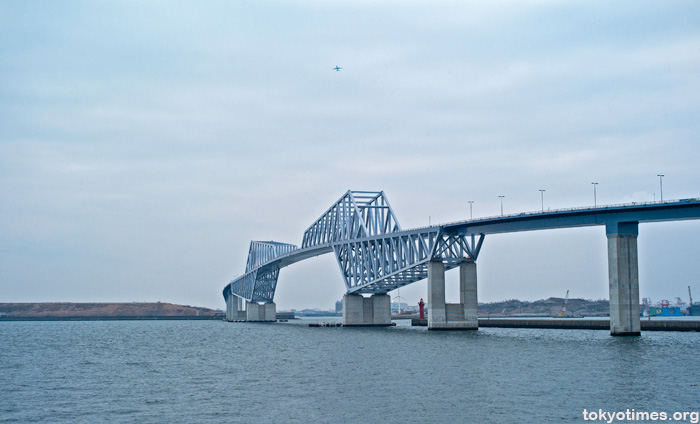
[356,215]
[373,253]
[259,282]
[381,264]
[262,252]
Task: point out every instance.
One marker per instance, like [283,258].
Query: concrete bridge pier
[623,275]
[229,307]
[359,311]
[468,294]
[235,308]
[446,316]
[239,308]
[257,312]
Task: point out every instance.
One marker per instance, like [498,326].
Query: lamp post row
[595,196]
[542,195]
[595,200]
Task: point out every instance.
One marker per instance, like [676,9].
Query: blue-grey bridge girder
[376,256]
[377,264]
[259,282]
[373,253]
[382,263]
[355,215]
[608,215]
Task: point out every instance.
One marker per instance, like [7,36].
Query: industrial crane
[690,295]
[693,309]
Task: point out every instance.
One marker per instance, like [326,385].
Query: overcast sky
[144,144]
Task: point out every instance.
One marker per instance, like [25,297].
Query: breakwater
[577,324]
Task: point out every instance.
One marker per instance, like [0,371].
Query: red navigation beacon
[421,305]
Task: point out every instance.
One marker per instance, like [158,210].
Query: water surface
[213,371]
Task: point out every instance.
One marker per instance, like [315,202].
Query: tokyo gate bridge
[376,255]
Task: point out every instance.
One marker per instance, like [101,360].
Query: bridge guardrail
[357,248]
[579,208]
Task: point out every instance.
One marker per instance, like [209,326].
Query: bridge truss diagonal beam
[259,282]
[356,214]
[379,265]
[376,256]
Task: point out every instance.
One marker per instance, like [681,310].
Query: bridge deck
[379,244]
[530,221]
[580,217]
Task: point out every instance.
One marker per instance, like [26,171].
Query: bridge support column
[252,312]
[381,309]
[257,312]
[269,312]
[235,310]
[239,309]
[468,294]
[436,296]
[229,307]
[445,316]
[366,311]
[623,275]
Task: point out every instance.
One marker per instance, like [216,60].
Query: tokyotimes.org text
[631,415]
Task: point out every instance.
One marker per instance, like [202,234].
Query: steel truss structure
[358,214]
[381,264]
[374,254]
[259,282]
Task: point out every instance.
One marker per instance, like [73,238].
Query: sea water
[219,372]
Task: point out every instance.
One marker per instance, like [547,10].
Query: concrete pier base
[436,295]
[381,309]
[269,310]
[366,311]
[252,311]
[234,308]
[240,312]
[229,307]
[264,312]
[447,316]
[468,294]
[623,275]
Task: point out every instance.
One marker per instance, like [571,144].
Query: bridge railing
[574,209]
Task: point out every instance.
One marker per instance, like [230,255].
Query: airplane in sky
[337,68]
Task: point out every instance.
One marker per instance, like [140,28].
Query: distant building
[339,307]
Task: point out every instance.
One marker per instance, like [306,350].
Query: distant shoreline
[68,311]
[114,318]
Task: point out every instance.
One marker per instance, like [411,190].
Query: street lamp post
[661,186]
[542,195]
[471,202]
[595,200]
[501,204]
